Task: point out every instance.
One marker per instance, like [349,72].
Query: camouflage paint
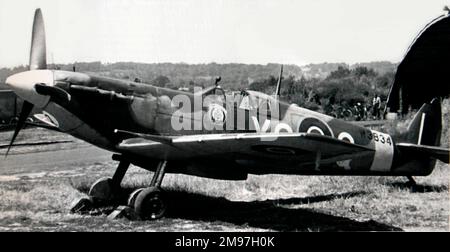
[103,104]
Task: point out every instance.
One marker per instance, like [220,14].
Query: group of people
[361,111]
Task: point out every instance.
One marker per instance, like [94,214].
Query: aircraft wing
[231,146]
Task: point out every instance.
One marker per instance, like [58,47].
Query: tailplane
[424,150]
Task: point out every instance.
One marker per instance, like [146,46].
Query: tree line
[341,90]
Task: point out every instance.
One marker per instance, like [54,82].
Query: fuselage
[100,105]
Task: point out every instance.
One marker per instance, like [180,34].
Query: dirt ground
[39,183]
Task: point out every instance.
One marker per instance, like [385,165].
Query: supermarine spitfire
[212,133]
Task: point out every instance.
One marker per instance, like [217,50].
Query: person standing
[376,106]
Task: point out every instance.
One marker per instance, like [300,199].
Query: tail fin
[426,126]
[423,135]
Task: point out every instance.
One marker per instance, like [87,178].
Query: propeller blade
[26,111]
[277,90]
[38,53]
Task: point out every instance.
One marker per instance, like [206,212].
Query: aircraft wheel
[101,190]
[149,204]
[133,196]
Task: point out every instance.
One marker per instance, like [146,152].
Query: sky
[222,31]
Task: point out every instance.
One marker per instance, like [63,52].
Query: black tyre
[101,190]
[149,204]
[133,196]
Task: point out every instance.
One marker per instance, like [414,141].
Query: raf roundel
[315,126]
[217,113]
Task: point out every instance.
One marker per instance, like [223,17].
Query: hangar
[423,73]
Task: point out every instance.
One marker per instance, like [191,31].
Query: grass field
[41,201]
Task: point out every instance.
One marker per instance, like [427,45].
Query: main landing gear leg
[106,190]
[148,202]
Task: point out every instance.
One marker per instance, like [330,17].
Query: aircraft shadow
[419,188]
[269,214]
[278,214]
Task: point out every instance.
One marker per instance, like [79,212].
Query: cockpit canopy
[252,100]
[246,99]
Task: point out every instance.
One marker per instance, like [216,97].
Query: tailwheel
[411,181]
[412,184]
[149,204]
